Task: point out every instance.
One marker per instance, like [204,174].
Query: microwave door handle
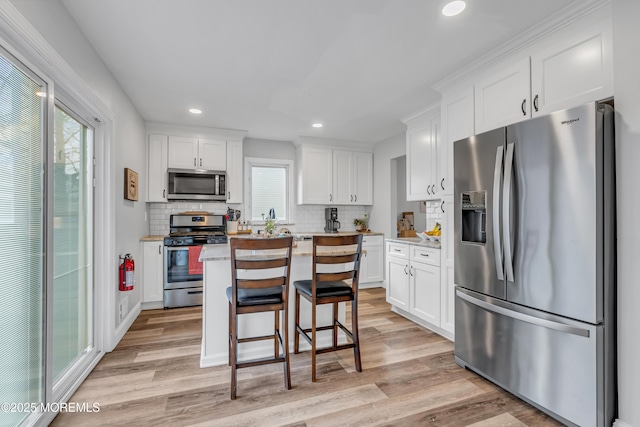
[497,244]
[506,212]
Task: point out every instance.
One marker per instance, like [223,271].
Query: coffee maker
[331,217]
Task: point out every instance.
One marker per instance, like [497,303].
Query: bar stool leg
[233,355]
[276,329]
[355,333]
[285,343]
[296,334]
[335,324]
[313,341]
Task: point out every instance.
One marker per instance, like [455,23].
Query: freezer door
[478,165]
[554,363]
[556,229]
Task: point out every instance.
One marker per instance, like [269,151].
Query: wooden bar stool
[330,288]
[265,289]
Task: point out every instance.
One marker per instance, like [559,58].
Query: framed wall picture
[130,184]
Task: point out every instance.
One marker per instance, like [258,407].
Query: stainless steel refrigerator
[535,261]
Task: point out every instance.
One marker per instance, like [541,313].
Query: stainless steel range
[182,269]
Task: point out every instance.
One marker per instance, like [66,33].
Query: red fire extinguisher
[127,267]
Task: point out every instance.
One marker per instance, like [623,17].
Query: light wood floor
[409,378]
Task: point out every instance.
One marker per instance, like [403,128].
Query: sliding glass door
[46,243]
[72,241]
[22,236]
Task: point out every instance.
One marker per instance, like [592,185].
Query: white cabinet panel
[504,97]
[398,282]
[183,152]
[363,178]
[343,173]
[315,176]
[152,272]
[425,292]
[447,285]
[157,179]
[212,154]
[457,123]
[573,71]
[372,265]
[234,172]
[423,156]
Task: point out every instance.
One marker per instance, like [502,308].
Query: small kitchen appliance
[182,269]
[331,217]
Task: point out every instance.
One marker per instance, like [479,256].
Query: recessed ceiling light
[317,125]
[195,111]
[454,8]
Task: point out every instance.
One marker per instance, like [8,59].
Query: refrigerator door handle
[497,246]
[506,212]
[549,324]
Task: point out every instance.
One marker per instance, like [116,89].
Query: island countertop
[301,247]
[414,241]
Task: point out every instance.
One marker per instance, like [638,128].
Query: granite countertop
[152,238]
[414,241]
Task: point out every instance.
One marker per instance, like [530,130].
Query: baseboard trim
[448,335]
[618,423]
[124,326]
[371,285]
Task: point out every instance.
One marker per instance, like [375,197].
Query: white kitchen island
[215,311]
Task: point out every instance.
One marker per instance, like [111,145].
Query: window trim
[249,162]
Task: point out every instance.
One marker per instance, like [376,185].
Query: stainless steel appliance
[185,184]
[535,261]
[182,270]
[331,217]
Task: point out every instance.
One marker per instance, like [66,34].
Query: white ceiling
[272,67]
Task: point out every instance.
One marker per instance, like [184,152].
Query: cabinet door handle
[442,206]
[424,255]
[442,183]
[352,197]
[194,161]
[159,249]
[433,189]
[355,198]
[164,194]
[405,269]
[229,195]
[429,189]
[524,112]
[397,250]
[535,103]
[200,162]
[411,271]
[331,197]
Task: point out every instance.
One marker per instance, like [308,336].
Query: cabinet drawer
[398,250]
[425,255]
[372,240]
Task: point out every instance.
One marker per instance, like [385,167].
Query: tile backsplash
[306,218]
[434,213]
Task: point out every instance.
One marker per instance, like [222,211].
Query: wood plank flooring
[409,377]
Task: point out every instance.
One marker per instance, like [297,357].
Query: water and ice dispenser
[474,216]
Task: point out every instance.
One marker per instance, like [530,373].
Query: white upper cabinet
[212,155]
[194,153]
[336,177]
[183,152]
[234,172]
[457,109]
[363,178]
[157,179]
[343,174]
[315,176]
[503,97]
[423,155]
[573,71]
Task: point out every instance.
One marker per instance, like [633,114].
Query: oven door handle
[177,248]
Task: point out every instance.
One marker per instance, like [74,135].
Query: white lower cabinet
[414,285]
[152,274]
[371,267]
[447,284]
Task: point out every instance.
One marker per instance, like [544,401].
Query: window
[268,185]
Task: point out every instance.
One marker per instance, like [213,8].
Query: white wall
[384,182]
[51,20]
[626,37]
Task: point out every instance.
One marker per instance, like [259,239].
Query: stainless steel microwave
[185,184]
